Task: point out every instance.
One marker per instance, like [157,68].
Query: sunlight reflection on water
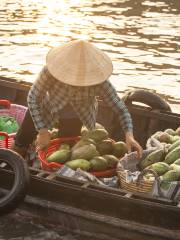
[141,37]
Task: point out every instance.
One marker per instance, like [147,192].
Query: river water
[142,37]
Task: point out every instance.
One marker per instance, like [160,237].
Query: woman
[75,74]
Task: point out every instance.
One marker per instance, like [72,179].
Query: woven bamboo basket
[141,185]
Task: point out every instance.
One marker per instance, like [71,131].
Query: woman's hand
[132,144]
[43,139]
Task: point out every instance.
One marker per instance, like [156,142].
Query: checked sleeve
[108,93]
[35,99]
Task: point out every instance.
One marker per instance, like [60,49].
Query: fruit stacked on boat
[93,151]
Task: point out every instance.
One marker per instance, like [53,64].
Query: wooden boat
[94,211]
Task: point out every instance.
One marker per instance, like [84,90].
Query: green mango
[84,152]
[172,156]
[174,145]
[111,160]
[119,149]
[175,138]
[175,167]
[64,146]
[155,156]
[98,164]
[170,131]
[171,175]
[105,147]
[178,131]
[59,156]
[78,163]
[177,162]
[160,168]
[83,142]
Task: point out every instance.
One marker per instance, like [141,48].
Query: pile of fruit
[8,124]
[94,151]
[166,160]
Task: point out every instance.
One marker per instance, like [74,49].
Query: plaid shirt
[48,96]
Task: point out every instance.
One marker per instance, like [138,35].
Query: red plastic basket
[54,145]
[12,110]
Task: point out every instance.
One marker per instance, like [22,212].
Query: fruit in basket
[119,149]
[174,145]
[175,139]
[170,131]
[160,168]
[105,147]
[175,167]
[79,163]
[84,152]
[98,134]
[84,129]
[64,146]
[8,124]
[178,131]
[83,142]
[111,160]
[171,175]
[165,137]
[59,156]
[155,156]
[98,164]
[177,162]
[172,156]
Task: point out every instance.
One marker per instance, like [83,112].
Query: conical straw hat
[79,63]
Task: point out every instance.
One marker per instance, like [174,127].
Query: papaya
[59,156]
[119,149]
[84,152]
[105,147]
[170,131]
[98,164]
[177,162]
[172,156]
[174,145]
[160,168]
[78,163]
[155,156]
[111,160]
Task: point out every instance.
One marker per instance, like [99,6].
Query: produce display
[94,151]
[8,124]
[164,161]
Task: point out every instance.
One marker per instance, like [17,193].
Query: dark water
[15,226]
[142,37]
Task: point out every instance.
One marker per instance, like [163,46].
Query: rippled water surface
[142,38]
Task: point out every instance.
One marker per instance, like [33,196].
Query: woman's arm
[110,96]
[35,98]
[108,93]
